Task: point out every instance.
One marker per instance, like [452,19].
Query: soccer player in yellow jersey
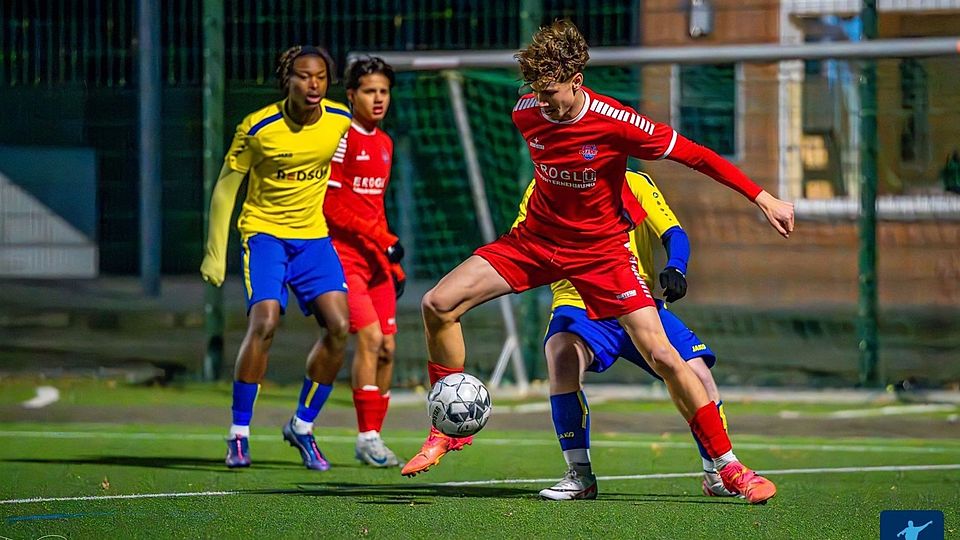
[284,150]
[574,343]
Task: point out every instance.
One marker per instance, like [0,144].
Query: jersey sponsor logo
[588,151]
[622,115]
[302,176]
[369,185]
[700,347]
[627,294]
[585,179]
[535,143]
[363,156]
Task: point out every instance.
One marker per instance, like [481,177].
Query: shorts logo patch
[391,321]
[588,151]
[628,294]
[700,347]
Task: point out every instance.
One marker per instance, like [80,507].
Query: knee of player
[434,307]
[338,329]
[263,328]
[665,357]
[387,350]
[371,338]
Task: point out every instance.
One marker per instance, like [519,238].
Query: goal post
[467,95]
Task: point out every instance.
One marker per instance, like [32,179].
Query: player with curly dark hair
[284,151]
[577,228]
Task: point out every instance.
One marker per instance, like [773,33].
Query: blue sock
[571,418]
[312,397]
[244,396]
[703,451]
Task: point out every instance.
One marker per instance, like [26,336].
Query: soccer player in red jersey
[577,228]
[370,253]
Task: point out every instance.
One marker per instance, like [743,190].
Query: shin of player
[284,150]
[370,253]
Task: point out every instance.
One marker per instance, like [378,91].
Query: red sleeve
[346,220]
[336,162]
[651,140]
[702,159]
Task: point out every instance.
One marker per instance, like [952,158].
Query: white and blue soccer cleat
[371,450]
[572,486]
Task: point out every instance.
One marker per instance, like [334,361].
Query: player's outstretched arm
[213,269]
[779,213]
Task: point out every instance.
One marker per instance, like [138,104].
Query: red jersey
[579,166]
[360,172]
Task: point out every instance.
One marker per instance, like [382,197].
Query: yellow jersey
[660,218]
[287,167]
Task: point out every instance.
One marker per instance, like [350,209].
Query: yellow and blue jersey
[660,218]
[287,167]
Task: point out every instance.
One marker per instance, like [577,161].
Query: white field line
[643,443]
[781,472]
[46,395]
[889,410]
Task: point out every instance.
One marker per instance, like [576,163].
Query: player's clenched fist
[213,270]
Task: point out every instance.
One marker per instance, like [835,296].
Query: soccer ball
[459,405]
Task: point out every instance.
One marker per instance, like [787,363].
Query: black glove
[395,252]
[399,285]
[674,284]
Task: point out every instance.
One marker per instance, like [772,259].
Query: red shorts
[604,272]
[371,296]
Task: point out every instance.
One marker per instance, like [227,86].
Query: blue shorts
[309,267]
[609,341]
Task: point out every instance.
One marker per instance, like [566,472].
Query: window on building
[915,135]
[707,106]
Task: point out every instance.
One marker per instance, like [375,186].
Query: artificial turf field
[165,478]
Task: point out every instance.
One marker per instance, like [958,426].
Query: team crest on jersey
[588,151]
[385,155]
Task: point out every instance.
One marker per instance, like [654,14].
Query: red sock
[708,427]
[438,372]
[367,404]
[383,401]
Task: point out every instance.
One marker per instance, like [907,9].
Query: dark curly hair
[287,57]
[555,54]
[367,66]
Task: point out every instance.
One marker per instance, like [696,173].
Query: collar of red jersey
[361,129]
[575,119]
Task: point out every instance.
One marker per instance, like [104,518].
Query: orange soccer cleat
[436,446]
[756,489]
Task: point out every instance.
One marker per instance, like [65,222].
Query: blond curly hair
[555,54]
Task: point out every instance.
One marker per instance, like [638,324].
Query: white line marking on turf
[837,470]
[659,476]
[889,410]
[644,443]
[132,496]
[45,396]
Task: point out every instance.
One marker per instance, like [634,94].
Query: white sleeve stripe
[673,141]
[334,183]
[595,105]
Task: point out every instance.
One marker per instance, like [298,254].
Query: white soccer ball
[459,405]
